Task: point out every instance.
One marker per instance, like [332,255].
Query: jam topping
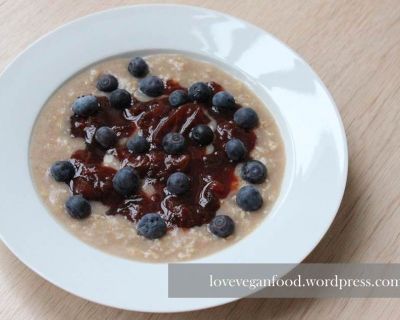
[210,171]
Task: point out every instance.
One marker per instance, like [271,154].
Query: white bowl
[314,138]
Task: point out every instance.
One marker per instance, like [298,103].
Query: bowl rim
[20,249]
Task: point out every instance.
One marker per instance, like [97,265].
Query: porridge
[157,159]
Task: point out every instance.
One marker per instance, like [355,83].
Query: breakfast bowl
[313,147]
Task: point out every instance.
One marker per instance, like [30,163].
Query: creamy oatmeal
[52,140]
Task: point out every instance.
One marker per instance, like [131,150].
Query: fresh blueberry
[223,101]
[249,198]
[222,226]
[138,144]
[246,118]
[151,226]
[178,98]
[254,171]
[178,183]
[199,91]
[107,83]
[85,106]
[173,143]
[235,150]
[152,86]
[106,137]
[120,99]
[62,171]
[202,134]
[126,181]
[78,207]
[138,67]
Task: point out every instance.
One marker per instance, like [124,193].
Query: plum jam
[210,171]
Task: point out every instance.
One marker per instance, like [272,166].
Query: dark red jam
[212,175]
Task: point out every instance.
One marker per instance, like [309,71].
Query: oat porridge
[161,158]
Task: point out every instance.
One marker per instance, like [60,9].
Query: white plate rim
[194,303]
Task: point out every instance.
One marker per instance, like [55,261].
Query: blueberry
[202,134]
[254,171]
[178,98]
[138,144]
[107,83]
[62,171]
[138,67]
[151,226]
[200,91]
[178,183]
[78,207]
[246,118]
[126,181]
[235,150]
[120,99]
[106,137]
[222,226]
[223,101]
[152,86]
[249,198]
[173,143]
[85,106]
